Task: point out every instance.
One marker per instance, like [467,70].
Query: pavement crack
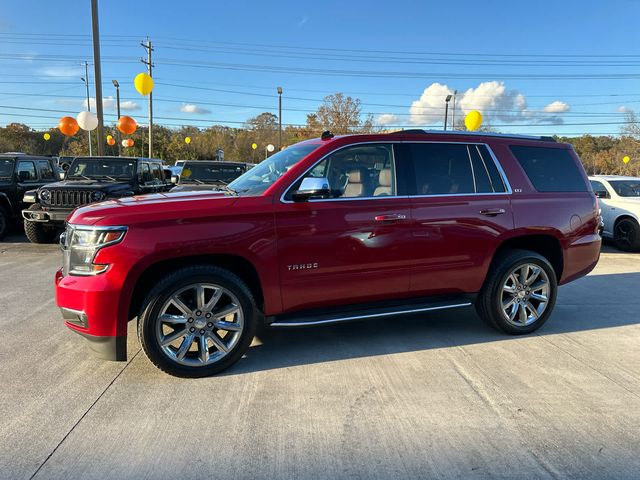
[84,415]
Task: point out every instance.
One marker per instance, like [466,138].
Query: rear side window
[488,179]
[442,168]
[550,169]
[44,167]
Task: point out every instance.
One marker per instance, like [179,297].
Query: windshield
[96,168]
[263,175]
[6,167]
[205,172]
[626,188]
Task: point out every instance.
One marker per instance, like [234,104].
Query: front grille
[69,198]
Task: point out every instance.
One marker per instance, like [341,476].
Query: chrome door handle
[390,218]
[492,212]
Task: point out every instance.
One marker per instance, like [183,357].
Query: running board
[293,320]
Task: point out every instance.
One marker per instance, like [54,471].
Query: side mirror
[312,187]
[174,179]
[61,174]
[601,194]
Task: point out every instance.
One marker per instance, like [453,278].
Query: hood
[197,187]
[152,208]
[88,185]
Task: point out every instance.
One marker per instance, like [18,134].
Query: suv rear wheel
[626,235]
[197,321]
[519,293]
[38,232]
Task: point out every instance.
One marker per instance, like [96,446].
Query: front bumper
[46,216]
[89,307]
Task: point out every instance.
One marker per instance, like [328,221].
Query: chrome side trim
[372,315]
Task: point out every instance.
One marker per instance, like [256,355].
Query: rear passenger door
[460,206]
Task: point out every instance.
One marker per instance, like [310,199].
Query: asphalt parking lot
[430,396]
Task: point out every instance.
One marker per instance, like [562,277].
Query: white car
[619,199]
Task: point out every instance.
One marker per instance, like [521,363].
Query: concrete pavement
[429,396]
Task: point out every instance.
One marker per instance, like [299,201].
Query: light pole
[117,85]
[279,118]
[97,74]
[85,79]
[453,114]
[446,110]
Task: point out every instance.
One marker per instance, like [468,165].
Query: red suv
[330,230]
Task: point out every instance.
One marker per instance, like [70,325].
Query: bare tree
[341,115]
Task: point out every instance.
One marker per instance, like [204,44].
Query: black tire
[4,223]
[38,232]
[626,235]
[489,303]
[148,320]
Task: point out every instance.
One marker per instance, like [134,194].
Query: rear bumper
[581,257]
[89,307]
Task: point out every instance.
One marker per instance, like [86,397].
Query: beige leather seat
[354,187]
[384,183]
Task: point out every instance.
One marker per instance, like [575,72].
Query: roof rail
[464,133]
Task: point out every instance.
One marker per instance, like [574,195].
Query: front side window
[26,171]
[361,171]
[626,188]
[101,169]
[44,167]
[257,180]
[598,187]
[156,172]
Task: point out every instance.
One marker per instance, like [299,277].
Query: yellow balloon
[626,159]
[473,120]
[254,145]
[187,140]
[46,136]
[109,137]
[143,83]
[185,173]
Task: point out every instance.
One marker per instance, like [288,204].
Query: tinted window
[597,186]
[626,188]
[480,171]
[550,169]
[26,171]
[156,171]
[208,172]
[497,182]
[442,168]
[6,167]
[101,168]
[146,172]
[44,167]
[360,171]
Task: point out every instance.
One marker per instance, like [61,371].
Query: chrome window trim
[395,179]
[496,162]
[473,170]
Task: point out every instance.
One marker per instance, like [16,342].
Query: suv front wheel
[197,321]
[519,293]
[38,232]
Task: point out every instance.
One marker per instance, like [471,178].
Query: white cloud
[557,107]
[62,72]
[109,103]
[193,108]
[492,99]
[624,109]
[387,119]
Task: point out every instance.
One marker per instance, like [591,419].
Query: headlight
[81,244]
[97,196]
[45,195]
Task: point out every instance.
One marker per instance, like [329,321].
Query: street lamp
[85,80]
[446,110]
[117,85]
[279,118]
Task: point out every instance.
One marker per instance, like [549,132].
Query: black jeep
[19,173]
[89,180]
[208,174]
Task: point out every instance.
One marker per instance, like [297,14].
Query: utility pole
[86,84]
[446,110]
[147,46]
[117,85]
[97,75]
[453,114]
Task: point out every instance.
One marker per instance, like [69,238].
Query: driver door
[350,248]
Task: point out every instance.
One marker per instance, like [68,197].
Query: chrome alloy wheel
[199,324]
[525,294]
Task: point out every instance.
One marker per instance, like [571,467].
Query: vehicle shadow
[586,304]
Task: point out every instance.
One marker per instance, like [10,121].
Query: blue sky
[529,67]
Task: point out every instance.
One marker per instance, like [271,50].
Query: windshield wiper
[225,188]
[81,176]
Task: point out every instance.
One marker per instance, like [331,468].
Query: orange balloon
[127,125]
[111,141]
[68,126]
[129,142]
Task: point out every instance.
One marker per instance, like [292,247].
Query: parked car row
[45,194]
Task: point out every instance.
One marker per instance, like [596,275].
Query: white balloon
[125,142]
[270,148]
[87,120]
